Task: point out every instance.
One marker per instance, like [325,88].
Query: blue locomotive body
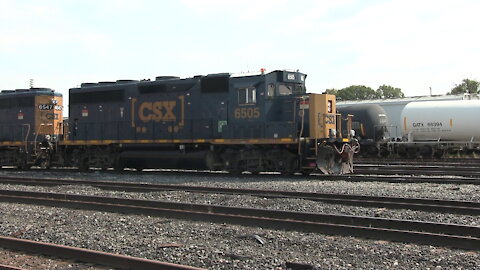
[219,121]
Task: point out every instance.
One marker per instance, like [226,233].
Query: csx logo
[157,111]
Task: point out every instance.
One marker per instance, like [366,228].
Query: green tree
[332,91]
[467,86]
[355,92]
[387,91]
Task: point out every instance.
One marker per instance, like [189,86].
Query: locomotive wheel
[118,167]
[45,164]
[235,167]
[23,165]
[83,166]
[118,164]
[306,172]
[21,161]
[291,167]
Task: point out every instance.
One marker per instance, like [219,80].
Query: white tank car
[454,120]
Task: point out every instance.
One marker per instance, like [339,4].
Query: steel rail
[420,161]
[424,170]
[421,167]
[8,267]
[434,205]
[370,177]
[89,256]
[360,175]
[429,233]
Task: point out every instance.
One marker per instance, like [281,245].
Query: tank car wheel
[412,152]
[438,153]
[426,151]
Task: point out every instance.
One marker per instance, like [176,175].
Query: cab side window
[271,90]
[247,95]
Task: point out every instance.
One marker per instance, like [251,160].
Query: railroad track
[437,234]
[465,171]
[474,162]
[359,169]
[88,256]
[368,176]
[433,205]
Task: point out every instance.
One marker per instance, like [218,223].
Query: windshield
[286,89]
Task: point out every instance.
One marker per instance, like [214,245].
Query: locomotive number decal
[247,113]
[159,111]
[47,107]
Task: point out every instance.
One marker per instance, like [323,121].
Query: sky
[412,45]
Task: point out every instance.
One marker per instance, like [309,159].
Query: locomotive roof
[166,79]
[28,92]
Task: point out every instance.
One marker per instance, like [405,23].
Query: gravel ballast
[220,246]
[225,246]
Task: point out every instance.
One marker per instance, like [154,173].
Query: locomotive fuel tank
[441,121]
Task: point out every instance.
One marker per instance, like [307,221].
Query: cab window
[271,90]
[284,90]
[247,95]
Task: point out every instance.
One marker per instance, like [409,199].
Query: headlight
[333,133]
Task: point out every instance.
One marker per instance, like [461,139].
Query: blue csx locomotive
[261,122]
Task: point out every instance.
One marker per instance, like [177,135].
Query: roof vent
[126,81]
[163,78]
[40,89]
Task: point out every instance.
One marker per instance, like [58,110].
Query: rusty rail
[8,267]
[89,256]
